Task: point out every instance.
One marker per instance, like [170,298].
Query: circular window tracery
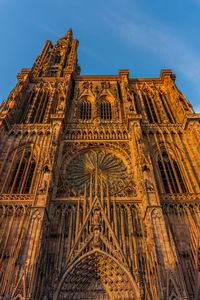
[94,170]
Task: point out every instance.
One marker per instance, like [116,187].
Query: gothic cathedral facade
[99,184]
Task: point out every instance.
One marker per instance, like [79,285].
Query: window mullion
[83,110]
[31,98]
[174,171]
[161,157]
[29,117]
[171,163]
[163,176]
[87,110]
[155,109]
[170,176]
[149,108]
[26,172]
[21,176]
[37,109]
[9,171]
[44,106]
[176,176]
[90,105]
[41,107]
[166,108]
[178,172]
[29,183]
[13,185]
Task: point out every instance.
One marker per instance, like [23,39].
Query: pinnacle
[69,32]
[68,35]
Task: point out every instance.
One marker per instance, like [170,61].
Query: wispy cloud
[161,41]
[197,109]
[196,2]
[50,30]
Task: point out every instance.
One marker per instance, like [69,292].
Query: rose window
[95,170]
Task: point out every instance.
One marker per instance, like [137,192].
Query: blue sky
[143,36]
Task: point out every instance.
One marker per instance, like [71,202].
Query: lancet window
[55,102]
[171,175]
[106,111]
[150,109]
[39,108]
[85,111]
[57,59]
[166,108]
[22,173]
[27,108]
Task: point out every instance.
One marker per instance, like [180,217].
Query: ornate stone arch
[98,273]
[162,145]
[109,100]
[88,98]
[24,154]
[119,149]
[28,147]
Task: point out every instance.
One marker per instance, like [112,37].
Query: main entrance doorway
[97,276]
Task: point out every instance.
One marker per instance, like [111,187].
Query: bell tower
[99,184]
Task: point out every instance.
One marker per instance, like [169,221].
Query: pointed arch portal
[94,276]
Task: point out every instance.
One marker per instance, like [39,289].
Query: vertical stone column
[153,218]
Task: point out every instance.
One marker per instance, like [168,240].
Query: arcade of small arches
[96,134]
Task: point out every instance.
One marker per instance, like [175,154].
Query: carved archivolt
[121,149]
[96,275]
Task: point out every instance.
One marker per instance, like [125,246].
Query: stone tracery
[110,169]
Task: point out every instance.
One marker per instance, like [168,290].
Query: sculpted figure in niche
[44,180]
[147,178]
[96,227]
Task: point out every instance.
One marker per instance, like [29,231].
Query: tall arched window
[170,174]
[55,103]
[149,106]
[27,108]
[39,108]
[22,175]
[166,107]
[85,110]
[106,112]
[57,59]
